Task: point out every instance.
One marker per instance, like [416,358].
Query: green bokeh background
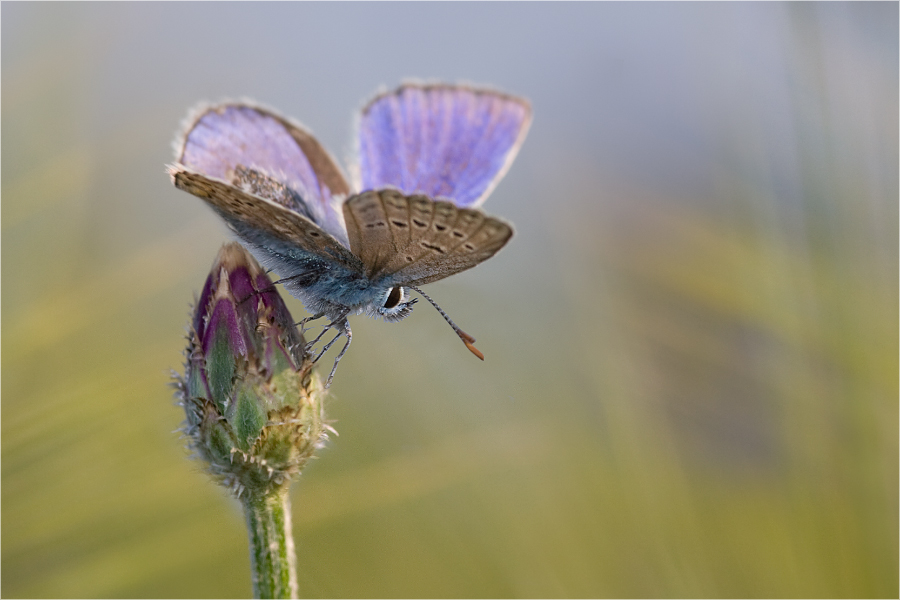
[691,380]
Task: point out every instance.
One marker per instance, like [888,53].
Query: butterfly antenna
[467,339]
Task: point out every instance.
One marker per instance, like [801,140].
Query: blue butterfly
[428,156]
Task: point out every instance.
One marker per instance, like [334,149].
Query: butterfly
[428,156]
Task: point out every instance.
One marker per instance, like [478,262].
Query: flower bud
[253,407]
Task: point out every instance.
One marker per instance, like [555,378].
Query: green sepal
[218,442]
[221,369]
[249,415]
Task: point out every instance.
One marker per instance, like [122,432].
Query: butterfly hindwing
[413,240]
[443,141]
[239,137]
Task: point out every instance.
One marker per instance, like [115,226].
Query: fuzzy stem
[272,558]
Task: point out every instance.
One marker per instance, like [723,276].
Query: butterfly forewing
[423,242]
[445,141]
[247,210]
[221,139]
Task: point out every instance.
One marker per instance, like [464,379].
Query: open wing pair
[428,156]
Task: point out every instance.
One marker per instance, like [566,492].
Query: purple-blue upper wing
[221,138]
[445,141]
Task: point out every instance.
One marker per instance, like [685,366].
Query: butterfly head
[394,304]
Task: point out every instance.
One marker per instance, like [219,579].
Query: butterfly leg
[310,345]
[345,331]
[307,320]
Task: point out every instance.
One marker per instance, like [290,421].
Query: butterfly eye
[394,297]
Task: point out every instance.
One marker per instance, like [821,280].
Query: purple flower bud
[253,408]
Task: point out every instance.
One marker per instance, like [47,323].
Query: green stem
[272,557]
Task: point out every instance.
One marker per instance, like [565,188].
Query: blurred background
[691,384]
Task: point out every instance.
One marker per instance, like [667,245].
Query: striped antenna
[467,339]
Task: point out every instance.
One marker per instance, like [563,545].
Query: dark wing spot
[459,234]
[440,227]
[419,223]
[437,249]
[313,234]
[399,223]
[469,247]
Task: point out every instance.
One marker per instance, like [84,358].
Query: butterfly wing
[414,240]
[446,141]
[315,267]
[220,140]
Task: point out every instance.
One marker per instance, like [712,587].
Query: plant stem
[272,557]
